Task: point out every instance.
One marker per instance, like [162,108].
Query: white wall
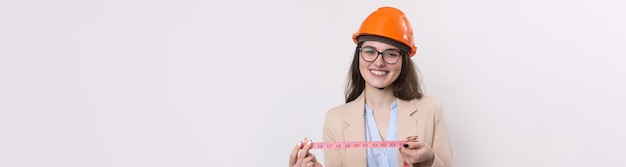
[230,83]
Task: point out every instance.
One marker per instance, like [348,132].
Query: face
[379,73]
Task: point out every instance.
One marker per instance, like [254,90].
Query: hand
[304,158]
[416,152]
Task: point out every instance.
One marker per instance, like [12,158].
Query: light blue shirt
[381,157]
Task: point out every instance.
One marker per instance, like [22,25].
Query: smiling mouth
[379,73]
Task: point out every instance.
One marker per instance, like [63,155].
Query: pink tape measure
[364,144]
[348,145]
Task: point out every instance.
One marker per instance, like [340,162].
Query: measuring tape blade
[348,145]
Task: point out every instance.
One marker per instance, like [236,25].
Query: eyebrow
[396,49]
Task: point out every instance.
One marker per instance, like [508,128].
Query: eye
[391,53]
[368,50]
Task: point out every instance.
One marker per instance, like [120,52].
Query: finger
[309,158]
[309,164]
[305,150]
[294,154]
[412,138]
[413,145]
[409,156]
[312,156]
[406,151]
[306,161]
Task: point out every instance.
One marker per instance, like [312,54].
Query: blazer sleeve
[441,142]
[332,157]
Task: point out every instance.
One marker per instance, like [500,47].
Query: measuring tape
[364,144]
[348,145]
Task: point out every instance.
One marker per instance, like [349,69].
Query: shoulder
[338,111]
[338,114]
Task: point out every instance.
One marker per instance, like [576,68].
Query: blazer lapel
[407,123]
[355,131]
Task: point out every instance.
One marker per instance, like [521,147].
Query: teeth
[378,72]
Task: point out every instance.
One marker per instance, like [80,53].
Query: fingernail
[309,143]
[406,145]
[299,144]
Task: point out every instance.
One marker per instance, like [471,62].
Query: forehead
[378,45]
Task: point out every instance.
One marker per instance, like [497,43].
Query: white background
[132,83]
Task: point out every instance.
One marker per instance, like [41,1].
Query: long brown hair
[406,87]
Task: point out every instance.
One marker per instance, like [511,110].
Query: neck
[376,98]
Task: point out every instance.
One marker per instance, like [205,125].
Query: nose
[379,62]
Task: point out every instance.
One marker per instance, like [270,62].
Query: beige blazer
[422,118]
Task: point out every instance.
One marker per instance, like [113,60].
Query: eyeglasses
[370,54]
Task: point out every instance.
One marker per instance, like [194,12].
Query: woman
[384,102]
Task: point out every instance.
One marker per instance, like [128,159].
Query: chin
[378,82]
[380,85]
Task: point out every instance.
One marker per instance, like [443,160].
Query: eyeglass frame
[379,53]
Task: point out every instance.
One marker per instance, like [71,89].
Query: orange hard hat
[391,23]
